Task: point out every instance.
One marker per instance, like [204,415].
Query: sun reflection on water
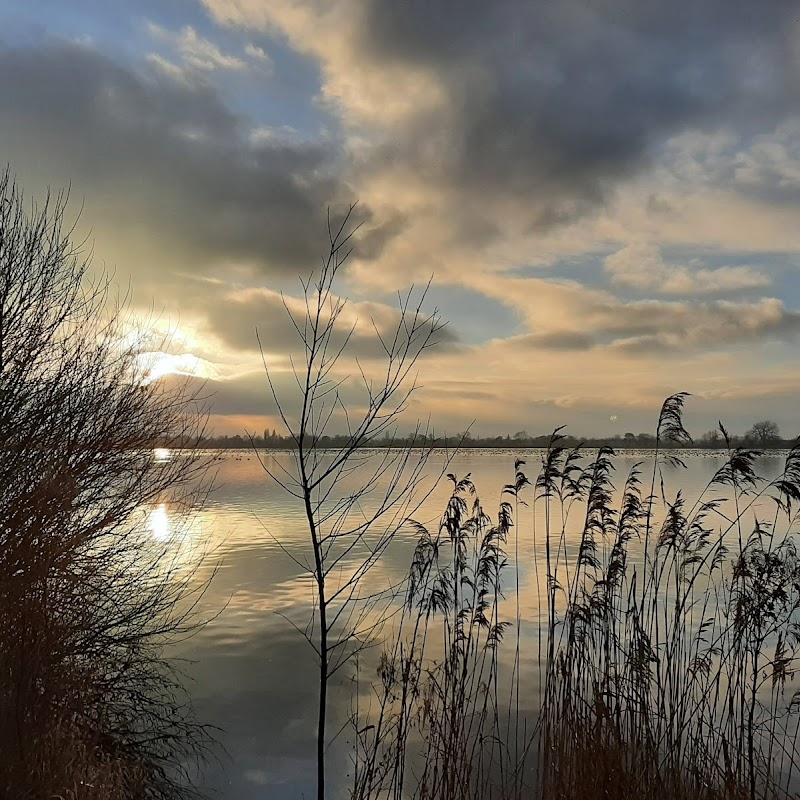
[158,523]
[178,538]
[161,454]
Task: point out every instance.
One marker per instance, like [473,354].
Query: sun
[154,365]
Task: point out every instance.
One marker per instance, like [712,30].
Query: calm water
[253,674]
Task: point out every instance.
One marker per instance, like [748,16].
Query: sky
[604,193]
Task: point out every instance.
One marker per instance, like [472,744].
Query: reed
[663,655]
[440,712]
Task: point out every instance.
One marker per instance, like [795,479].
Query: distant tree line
[764,434]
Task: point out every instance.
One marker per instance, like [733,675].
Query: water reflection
[179,542]
[255,676]
[158,523]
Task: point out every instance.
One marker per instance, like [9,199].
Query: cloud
[515,134]
[553,104]
[258,53]
[169,69]
[649,327]
[770,167]
[236,315]
[555,340]
[565,315]
[196,52]
[642,267]
[172,178]
[510,139]
[154,365]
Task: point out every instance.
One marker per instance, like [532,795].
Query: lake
[252,673]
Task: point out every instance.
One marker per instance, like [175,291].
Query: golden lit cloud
[153,366]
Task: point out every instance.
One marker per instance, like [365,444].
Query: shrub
[89,707]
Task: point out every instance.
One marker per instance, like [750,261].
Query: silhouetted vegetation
[661,658]
[89,706]
[350,528]
[660,663]
[664,653]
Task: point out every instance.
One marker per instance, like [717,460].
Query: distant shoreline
[780,447]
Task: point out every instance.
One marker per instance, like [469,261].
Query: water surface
[253,674]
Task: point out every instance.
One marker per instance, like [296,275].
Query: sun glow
[161,455]
[178,538]
[158,523]
[155,365]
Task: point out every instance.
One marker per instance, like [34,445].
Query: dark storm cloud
[168,158]
[555,101]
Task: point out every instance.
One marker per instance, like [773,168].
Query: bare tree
[712,438]
[89,706]
[764,432]
[354,500]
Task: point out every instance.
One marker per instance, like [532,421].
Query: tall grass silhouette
[662,659]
